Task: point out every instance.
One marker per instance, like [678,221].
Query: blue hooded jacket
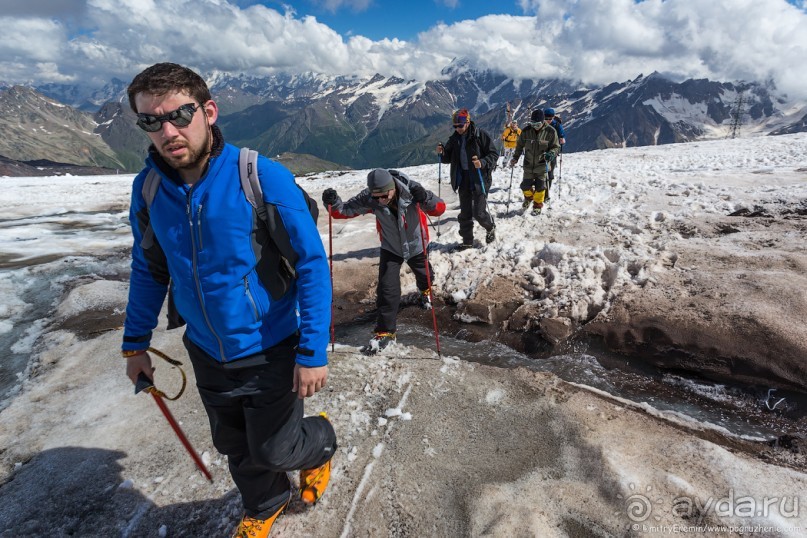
[204,239]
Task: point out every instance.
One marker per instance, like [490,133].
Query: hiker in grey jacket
[398,203]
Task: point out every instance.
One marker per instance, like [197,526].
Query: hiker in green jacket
[539,144]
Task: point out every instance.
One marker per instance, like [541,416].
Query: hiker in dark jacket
[255,357]
[398,203]
[472,154]
[539,144]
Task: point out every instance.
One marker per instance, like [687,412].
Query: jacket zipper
[404,239]
[248,293]
[199,226]
[196,277]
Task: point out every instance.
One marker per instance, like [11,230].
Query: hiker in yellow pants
[539,144]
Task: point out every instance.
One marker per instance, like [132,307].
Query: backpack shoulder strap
[267,213]
[149,191]
[400,176]
[150,186]
[250,182]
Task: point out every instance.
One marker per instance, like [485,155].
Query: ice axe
[146,384]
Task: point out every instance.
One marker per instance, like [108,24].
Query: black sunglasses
[181,117]
[381,196]
[460,126]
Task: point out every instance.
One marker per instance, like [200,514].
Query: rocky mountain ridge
[388,121]
[37,127]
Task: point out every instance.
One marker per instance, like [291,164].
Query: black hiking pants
[473,206]
[388,291]
[257,422]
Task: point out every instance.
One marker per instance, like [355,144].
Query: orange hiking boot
[378,343]
[314,481]
[425,299]
[257,528]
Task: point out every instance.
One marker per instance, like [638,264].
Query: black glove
[549,156]
[419,194]
[329,197]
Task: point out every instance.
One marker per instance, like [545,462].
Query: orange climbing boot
[314,481]
[257,528]
[425,299]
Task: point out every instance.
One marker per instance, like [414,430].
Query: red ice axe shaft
[144,383]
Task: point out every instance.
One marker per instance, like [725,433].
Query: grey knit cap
[380,180]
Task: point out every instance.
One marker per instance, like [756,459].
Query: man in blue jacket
[255,357]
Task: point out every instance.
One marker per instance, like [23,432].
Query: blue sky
[583,41]
[402,19]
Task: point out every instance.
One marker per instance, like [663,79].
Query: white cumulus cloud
[587,40]
[723,40]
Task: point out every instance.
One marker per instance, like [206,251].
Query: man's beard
[194,158]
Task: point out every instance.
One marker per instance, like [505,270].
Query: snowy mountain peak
[456,67]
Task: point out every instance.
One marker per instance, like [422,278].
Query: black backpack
[276,259]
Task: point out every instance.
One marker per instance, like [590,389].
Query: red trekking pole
[330,261]
[429,282]
[439,185]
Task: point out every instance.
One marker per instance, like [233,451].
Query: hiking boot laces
[250,527]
